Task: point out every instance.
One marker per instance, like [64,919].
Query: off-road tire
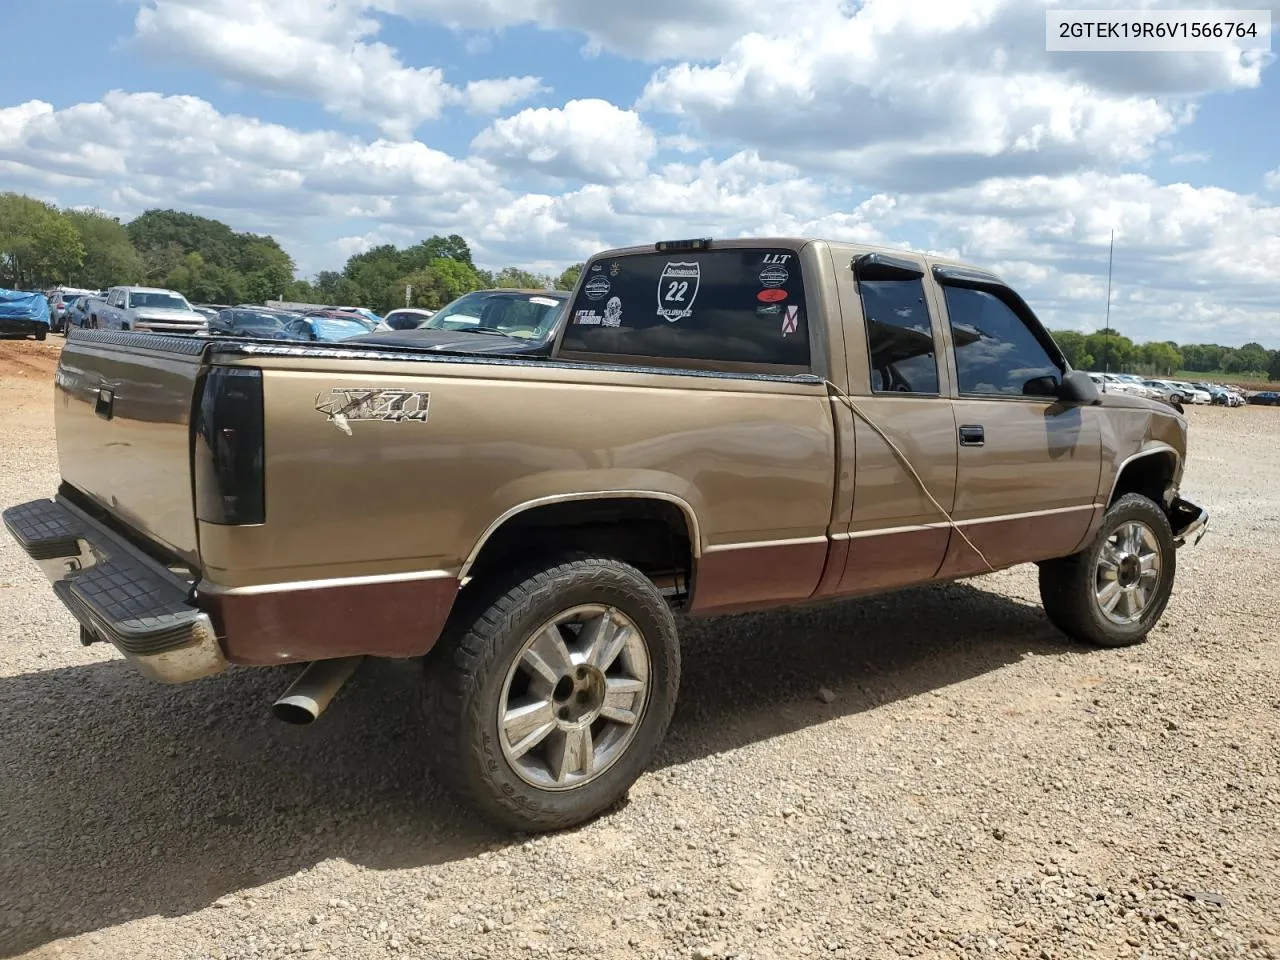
[467,669]
[1067,585]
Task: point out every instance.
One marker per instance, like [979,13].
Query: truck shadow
[122,798]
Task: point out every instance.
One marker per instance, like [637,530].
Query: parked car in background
[239,322]
[407,318]
[76,314]
[24,313]
[362,311]
[1163,390]
[210,310]
[1115,383]
[500,321]
[328,329]
[1266,398]
[60,300]
[146,309]
[1192,393]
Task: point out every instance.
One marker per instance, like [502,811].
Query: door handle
[972,435]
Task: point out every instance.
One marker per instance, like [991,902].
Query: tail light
[228,458]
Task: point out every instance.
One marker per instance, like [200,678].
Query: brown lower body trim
[753,576]
[1013,540]
[392,618]
[896,558]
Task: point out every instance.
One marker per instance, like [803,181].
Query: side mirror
[1078,387]
[1041,387]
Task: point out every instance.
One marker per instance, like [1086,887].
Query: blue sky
[543,130]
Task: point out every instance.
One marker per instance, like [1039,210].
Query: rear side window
[705,309]
[899,336]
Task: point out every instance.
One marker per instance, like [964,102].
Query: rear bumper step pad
[117,592]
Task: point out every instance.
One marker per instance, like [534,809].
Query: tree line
[1114,352]
[208,262]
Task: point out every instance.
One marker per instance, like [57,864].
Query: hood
[456,341]
[1132,402]
[166,313]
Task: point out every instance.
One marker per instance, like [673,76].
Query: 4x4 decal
[344,404]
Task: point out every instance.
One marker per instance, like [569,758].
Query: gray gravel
[934,774]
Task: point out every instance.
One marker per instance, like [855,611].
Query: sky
[543,131]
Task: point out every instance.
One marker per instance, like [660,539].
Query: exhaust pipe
[308,695]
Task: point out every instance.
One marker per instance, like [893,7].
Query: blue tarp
[19,305]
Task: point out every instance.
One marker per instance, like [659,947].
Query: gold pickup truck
[721,426]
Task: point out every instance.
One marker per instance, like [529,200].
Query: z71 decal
[345,404]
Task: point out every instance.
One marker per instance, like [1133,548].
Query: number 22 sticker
[677,289]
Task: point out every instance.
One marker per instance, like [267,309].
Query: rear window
[698,309]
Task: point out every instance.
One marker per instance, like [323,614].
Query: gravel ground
[934,773]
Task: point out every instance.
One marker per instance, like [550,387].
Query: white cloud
[918,94]
[657,29]
[317,49]
[588,140]
[1272,179]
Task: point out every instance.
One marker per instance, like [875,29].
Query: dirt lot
[977,786]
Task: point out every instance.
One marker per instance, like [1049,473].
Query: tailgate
[123,410]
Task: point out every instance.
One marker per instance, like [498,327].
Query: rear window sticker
[771,295]
[773,276]
[612,312]
[597,288]
[677,290]
[791,322]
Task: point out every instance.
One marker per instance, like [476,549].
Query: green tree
[1160,357]
[1111,351]
[1073,345]
[1273,369]
[514,277]
[1251,358]
[109,255]
[39,246]
[569,279]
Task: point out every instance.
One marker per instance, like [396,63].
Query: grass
[1236,379]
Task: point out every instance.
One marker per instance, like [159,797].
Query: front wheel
[1113,592]
[552,695]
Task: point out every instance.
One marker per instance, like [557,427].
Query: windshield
[258,321]
[329,328]
[521,315]
[158,301]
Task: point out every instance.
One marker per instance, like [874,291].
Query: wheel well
[651,535]
[1150,476]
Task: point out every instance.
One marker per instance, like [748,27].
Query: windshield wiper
[479,328]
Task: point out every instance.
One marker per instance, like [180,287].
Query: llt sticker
[770,295]
[773,276]
[342,405]
[791,322]
[677,289]
[597,288]
[776,258]
[613,312]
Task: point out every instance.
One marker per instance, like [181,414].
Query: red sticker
[771,296]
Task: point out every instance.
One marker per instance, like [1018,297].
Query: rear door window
[733,309]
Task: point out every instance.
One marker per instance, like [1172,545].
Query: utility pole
[1106,333]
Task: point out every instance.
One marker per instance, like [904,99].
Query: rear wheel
[1114,591]
[550,697]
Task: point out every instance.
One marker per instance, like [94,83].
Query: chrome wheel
[574,697]
[1127,578]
